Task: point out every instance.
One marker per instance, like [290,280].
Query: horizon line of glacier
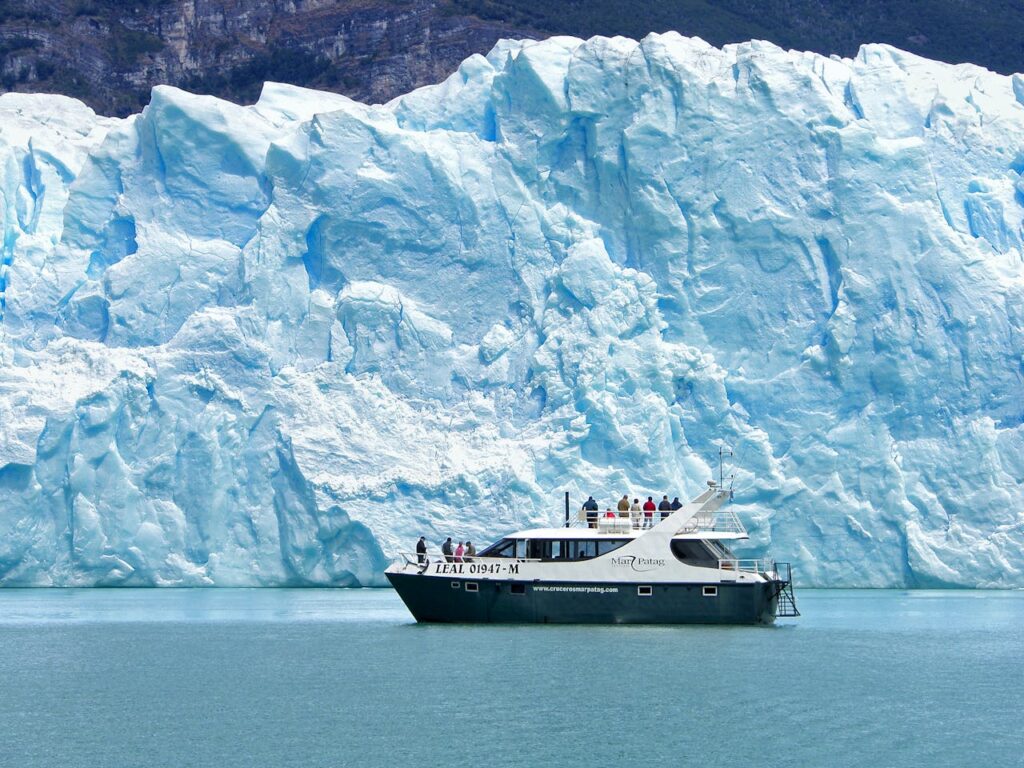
[274,344]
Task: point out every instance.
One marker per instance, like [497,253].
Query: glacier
[274,344]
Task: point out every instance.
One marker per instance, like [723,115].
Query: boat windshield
[699,552]
[502,548]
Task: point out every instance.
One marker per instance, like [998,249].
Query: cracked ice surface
[274,344]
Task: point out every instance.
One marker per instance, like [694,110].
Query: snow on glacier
[274,344]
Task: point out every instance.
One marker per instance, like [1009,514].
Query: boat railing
[762,566]
[722,521]
[616,523]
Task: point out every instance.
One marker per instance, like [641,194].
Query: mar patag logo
[639,564]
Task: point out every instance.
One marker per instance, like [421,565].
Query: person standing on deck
[459,552]
[676,504]
[470,552]
[624,506]
[649,512]
[635,513]
[421,550]
[446,549]
[665,507]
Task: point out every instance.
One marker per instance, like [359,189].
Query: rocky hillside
[110,53]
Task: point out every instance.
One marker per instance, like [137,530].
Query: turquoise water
[344,678]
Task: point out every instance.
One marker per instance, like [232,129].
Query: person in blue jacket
[665,507]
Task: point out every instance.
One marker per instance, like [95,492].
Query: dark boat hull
[440,599]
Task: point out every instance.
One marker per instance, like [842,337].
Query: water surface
[345,678]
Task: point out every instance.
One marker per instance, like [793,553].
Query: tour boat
[608,570]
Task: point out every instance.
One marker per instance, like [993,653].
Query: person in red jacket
[649,512]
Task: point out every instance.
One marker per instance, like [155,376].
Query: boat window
[539,549]
[710,591]
[563,550]
[604,546]
[694,552]
[721,551]
[518,589]
[503,548]
[583,549]
[472,586]
[548,549]
[644,591]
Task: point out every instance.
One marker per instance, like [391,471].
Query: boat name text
[639,564]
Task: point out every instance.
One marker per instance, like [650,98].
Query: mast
[722,453]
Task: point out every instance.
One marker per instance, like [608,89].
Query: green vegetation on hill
[244,81]
[126,45]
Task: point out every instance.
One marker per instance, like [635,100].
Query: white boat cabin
[700,542]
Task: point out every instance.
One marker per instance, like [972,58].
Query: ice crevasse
[274,344]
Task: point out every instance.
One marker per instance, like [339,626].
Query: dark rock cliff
[110,53]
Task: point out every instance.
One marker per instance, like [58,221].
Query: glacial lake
[277,678]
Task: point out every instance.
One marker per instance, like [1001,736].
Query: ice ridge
[273,344]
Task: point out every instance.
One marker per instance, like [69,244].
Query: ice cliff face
[274,344]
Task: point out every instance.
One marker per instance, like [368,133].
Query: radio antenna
[722,453]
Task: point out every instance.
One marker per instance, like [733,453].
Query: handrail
[618,523]
[764,566]
[748,565]
[717,522]
[722,521]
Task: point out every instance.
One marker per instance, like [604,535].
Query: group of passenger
[460,552]
[641,515]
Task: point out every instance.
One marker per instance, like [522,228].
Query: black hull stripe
[440,599]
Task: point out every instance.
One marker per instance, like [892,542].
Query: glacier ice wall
[274,344]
